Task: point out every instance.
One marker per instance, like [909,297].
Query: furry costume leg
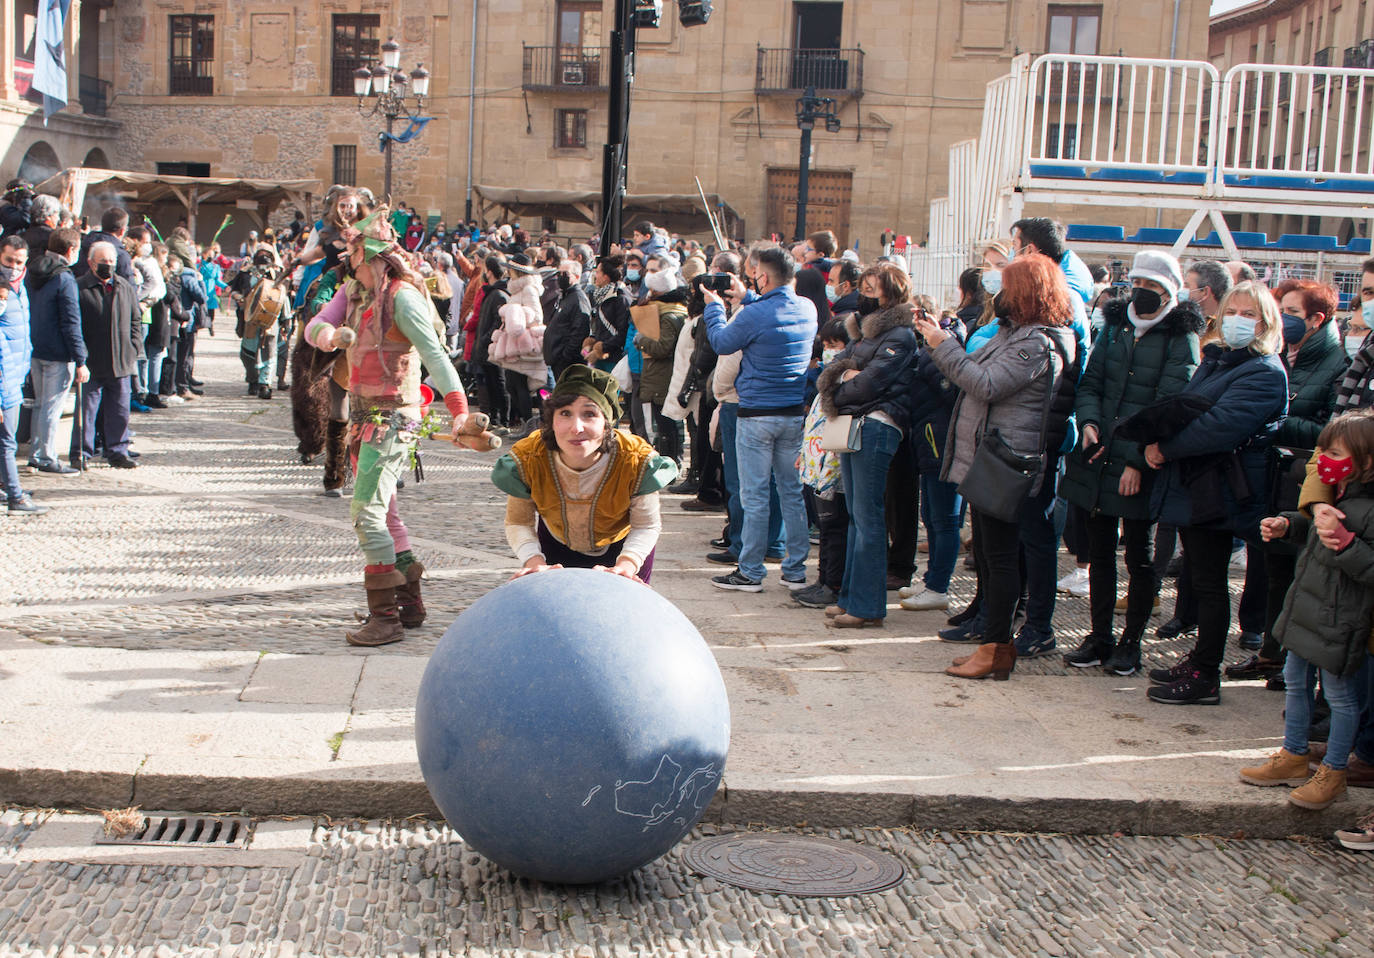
[310,377]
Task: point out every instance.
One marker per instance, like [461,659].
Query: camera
[716,282]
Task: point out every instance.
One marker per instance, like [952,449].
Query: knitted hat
[600,387]
[1159,266]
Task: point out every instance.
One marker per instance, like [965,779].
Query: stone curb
[344,797]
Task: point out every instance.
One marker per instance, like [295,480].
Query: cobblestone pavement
[372,888]
[221,540]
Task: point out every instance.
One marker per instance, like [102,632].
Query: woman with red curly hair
[1021,385]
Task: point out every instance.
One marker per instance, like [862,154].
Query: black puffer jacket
[1312,381]
[932,401]
[493,298]
[567,329]
[883,357]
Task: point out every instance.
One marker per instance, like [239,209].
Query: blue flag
[49,56]
[411,131]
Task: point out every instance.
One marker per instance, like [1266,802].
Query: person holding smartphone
[1147,350]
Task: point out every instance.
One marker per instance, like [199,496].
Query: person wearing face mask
[109,313]
[819,472]
[59,352]
[1148,350]
[843,287]
[16,354]
[570,323]
[1214,474]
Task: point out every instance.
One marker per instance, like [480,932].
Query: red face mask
[1332,471]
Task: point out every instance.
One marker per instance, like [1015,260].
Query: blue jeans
[864,474]
[768,446]
[734,513]
[942,509]
[1040,545]
[1301,678]
[51,380]
[9,469]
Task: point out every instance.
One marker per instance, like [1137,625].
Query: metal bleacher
[1110,138]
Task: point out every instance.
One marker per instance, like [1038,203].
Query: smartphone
[1092,451]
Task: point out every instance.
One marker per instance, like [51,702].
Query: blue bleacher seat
[1211,239]
[1344,186]
[1358,244]
[1058,171]
[1243,240]
[1295,241]
[1090,233]
[1154,234]
[1127,175]
[1186,179]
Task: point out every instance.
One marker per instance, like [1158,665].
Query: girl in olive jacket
[1325,623]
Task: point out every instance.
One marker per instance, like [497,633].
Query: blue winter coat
[193,295]
[775,332]
[54,312]
[1199,484]
[16,352]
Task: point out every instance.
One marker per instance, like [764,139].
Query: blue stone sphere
[572,726]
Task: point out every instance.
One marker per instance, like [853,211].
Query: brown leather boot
[963,659]
[335,456]
[412,607]
[382,625]
[991,658]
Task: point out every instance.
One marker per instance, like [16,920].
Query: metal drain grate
[794,864]
[185,831]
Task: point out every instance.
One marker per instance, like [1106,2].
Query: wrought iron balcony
[566,68]
[95,95]
[790,71]
[1324,57]
[1360,56]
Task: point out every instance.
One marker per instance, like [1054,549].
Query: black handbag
[999,479]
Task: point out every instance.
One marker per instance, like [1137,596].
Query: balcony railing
[95,95]
[791,71]
[1325,57]
[1360,56]
[566,68]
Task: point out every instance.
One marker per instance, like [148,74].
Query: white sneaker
[926,600]
[173,400]
[916,588]
[1075,583]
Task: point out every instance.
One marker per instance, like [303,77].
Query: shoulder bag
[842,434]
[1000,479]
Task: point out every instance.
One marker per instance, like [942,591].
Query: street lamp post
[386,81]
[810,108]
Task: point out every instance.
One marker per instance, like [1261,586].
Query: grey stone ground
[219,543]
[373,888]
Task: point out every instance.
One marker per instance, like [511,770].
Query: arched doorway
[39,163]
[96,159]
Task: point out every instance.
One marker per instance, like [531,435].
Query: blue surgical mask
[1367,311]
[632,275]
[992,281]
[1237,331]
[830,293]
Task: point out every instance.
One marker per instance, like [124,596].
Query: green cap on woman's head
[600,387]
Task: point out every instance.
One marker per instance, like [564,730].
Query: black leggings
[999,573]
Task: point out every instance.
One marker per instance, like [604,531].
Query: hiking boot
[382,624]
[1173,673]
[1283,768]
[1091,651]
[1032,642]
[1125,658]
[411,607]
[1321,790]
[1193,689]
[816,597]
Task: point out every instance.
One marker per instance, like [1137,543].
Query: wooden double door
[827,204]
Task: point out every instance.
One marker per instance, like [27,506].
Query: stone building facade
[253,88]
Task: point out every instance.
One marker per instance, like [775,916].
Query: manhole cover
[183,831]
[794,864]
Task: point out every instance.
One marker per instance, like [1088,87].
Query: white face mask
[1353,342]
[1237,330]
[992,281]
[661,281]
[828,355]
[146,249]
[830,293]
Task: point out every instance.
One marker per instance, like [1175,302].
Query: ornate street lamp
[389,85]
[810,108]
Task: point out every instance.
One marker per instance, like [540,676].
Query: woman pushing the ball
[582,493]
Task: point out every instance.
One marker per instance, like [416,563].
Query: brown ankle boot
[991,658]
[383,623]
[412,607]
[335,455]
[964,659]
